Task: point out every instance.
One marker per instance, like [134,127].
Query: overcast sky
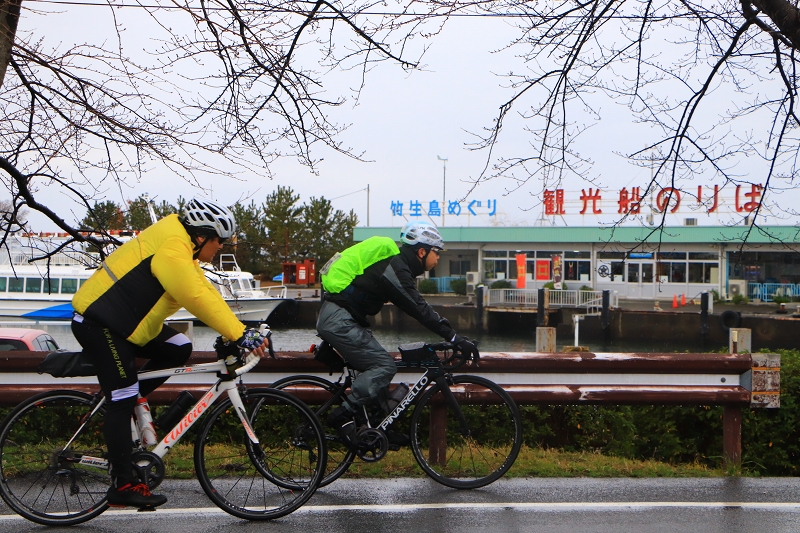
[405,122]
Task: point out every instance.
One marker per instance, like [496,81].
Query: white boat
[249,302]
[27,293]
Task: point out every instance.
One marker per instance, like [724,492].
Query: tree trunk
[784,15]
[9,16]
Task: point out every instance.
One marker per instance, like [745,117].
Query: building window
[672,272]
[611,255]
[495,268]
[647,272]
[666,256]
[577,255]
[577,270]
[703,272]
[459,268]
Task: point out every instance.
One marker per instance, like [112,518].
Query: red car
[34,340]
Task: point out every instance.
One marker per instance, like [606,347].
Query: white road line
[527,506]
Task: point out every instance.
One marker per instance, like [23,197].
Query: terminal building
[636,262]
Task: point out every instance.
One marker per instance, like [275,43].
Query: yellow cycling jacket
[149,278]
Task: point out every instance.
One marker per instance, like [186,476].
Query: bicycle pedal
[394,447]
[147,509]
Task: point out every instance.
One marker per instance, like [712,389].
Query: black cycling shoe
[134,495]
[341,418]
[396,438]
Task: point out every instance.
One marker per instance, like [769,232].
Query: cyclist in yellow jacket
[120,313]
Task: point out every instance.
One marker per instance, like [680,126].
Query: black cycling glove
[467,347]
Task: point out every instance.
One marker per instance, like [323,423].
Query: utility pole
[444,184]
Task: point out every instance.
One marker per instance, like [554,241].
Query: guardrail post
[732,435]
[545,340]
[541,312]
[605,313]
[704,315]
[479,307]
[740,340]
[438,434]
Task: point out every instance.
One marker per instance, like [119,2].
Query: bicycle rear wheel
[40,477]
[316,392]
[268,480]
[486,452]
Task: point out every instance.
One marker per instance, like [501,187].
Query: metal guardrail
[443,283]
[733,380]
[557,298]
[767,291]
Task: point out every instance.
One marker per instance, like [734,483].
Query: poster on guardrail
[522,270]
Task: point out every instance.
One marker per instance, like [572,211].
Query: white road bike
[259,454]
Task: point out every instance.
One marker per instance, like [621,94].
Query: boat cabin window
[16,284]
[33,284]
[69,286]
[246,285]
[3,284]
[51,286]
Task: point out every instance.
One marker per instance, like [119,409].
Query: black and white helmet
[415,233]
[203,214]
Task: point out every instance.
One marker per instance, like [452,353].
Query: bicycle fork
[444,386]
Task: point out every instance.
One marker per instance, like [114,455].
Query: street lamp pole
[444,184]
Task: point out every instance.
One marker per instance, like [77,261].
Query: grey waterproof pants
[361,351]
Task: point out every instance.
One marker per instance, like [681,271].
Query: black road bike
[465,431]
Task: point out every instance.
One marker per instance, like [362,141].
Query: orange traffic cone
[683,299]
[675,301]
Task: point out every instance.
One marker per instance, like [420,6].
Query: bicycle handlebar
[250,362]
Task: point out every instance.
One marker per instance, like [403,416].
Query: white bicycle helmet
[415,233]
[203,214]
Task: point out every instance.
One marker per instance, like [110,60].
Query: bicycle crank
[372,445]
[149,468]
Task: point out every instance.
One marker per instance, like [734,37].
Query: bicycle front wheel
[268,480]
[477,456]
[53,469]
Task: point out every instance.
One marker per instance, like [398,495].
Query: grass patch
[531,462]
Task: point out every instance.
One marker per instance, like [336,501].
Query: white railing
[530,297]
[274,291]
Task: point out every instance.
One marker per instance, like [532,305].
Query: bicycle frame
[434,373]
[226,383]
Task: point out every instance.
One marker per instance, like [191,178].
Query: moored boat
[43,289]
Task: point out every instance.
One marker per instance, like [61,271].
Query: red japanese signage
[542,270]
[522,270]
[747,199]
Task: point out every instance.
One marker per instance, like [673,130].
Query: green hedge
[678,434]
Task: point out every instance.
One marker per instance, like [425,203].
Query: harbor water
[300,339]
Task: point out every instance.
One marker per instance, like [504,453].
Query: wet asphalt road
[729,505]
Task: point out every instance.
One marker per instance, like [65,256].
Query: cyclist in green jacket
[356,284]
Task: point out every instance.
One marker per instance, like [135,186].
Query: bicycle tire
[39,479]
[226,463]
[484,455]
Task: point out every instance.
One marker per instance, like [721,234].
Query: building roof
[599,234]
